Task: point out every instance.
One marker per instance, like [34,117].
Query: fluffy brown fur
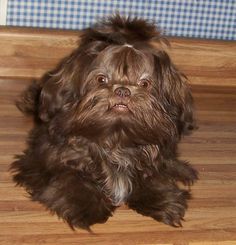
[107,123]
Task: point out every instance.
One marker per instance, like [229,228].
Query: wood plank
[122,238]
[29,52]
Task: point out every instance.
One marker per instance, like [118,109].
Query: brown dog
[107,123]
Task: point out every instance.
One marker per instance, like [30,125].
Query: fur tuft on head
[121,30]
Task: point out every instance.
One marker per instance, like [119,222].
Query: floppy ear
[176,92]
[57,89]
[28,101]
[45,97]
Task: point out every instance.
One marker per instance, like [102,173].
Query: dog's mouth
[120,107]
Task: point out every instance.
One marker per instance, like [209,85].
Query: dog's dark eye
[102,79]
[143,83]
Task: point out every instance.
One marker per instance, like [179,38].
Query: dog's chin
[119,125]
[104,120]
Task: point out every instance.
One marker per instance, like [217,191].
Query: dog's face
[124,88]
[121,92]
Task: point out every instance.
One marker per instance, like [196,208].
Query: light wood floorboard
[210,219]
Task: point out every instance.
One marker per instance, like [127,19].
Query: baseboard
[3,12]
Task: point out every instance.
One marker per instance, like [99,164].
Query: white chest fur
[118,183]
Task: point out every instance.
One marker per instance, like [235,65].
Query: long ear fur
[57,88]
[44,98]
[28,101]
[176,92]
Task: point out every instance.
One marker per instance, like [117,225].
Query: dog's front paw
[180,171]
[167,206]
[77,201]
[171,210]
[172,214]
[85,216]
[188,177]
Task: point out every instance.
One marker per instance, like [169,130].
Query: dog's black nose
[122,92]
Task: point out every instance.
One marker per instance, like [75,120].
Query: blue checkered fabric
[215,19]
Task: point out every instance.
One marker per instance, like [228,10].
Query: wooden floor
[211,218]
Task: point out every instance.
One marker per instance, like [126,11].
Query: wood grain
[28,52]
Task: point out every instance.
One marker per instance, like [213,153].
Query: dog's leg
[161,200]
[77,200]
[72,195]
[179,171]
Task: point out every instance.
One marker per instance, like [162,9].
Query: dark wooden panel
[28,52]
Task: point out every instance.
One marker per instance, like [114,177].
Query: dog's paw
[172,214]
[77,202]
[167,206]
[180,171]
[189,177]
[85,217]
[85,210]
[171,211]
